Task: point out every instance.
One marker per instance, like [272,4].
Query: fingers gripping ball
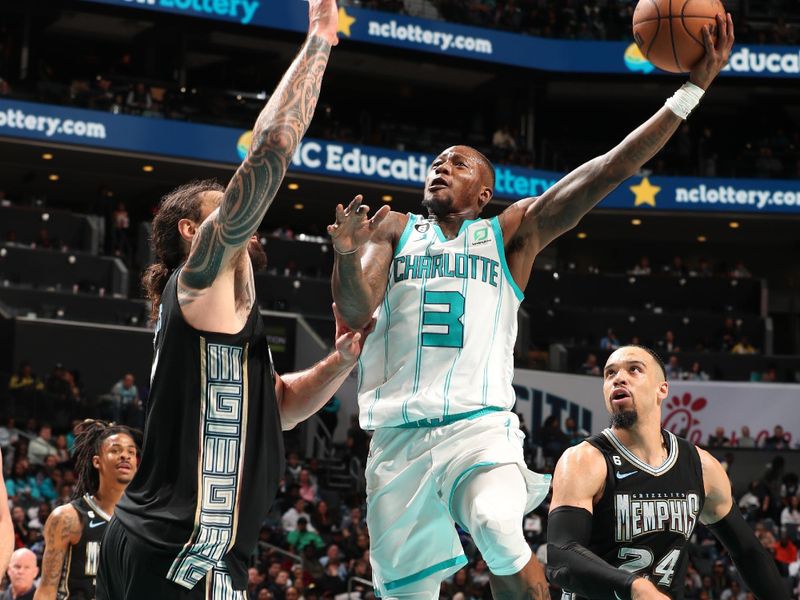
[670,32]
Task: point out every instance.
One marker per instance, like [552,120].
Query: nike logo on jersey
[624,475]
[93,524]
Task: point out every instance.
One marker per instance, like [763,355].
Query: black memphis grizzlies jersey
[80,565]
[647,515]
[213,448]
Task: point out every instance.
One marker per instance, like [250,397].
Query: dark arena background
[106,105]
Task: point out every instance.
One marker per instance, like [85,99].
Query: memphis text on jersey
[645,513]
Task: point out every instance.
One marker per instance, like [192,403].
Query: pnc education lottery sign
[462,41]
[226,145]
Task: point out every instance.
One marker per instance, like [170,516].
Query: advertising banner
[227,145]
[462,41]
[693,408]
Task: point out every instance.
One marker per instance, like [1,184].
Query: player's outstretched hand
[352,228]
[323,20]
[349,342]
[643,589]
[717,54]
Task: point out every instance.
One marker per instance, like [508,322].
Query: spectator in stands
[575,434]
[673,369]
[22,572]
[719,579]
[750,502]
[777,441]
[25,380]
[704,268]
[293,515]
[322,520]
[293,467]
[42,446]
[719,439]
[745,441]
[785,553]
[503,142]
[734,592]
[790,515]
[667,344]
[642,267]
[743,346]
[739,271]
[554,441]
[62,451]
[125,399]
[610,341]
[768,376]
[308,487]
[61,386]
[138,100]
[120,232]
[43,240]
[727,336]
[303,536]
[696,373]
[676,268]
[590,366]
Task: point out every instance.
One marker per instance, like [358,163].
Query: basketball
[670,32]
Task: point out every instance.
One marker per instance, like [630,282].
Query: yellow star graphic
[345,21]
[645,193]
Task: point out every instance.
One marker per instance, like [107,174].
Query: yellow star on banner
[345,21]
[645,193]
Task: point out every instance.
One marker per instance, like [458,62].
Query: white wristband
[685,100]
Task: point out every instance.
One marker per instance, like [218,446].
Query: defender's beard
[624,419]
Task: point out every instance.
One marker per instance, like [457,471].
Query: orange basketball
[670,32]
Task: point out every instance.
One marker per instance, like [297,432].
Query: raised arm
[725,521]
[303,394]
[276,135]
[578,482]
[363,250]
[532,223]
[63,527]
[6,526]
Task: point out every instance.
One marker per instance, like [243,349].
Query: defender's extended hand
[352,228]
[717,55]
[349,342]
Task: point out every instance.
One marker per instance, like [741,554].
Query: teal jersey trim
[456,561]
[459,479]
[447,420]
[466,224]
[439,233]
[406,234]
[501,251]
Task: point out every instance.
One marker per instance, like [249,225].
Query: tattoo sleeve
[59,530]
[563,205]
[276,135]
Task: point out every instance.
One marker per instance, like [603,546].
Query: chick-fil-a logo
[681,417]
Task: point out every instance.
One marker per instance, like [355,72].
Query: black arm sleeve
[753,561]
[573,566]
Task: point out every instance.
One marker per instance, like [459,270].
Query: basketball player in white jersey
[435,377]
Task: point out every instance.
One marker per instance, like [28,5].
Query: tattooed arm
[63,528]
[223,236]
[531,224]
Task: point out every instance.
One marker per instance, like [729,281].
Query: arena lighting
[386,198]
[582,235]
[299,206]
[636,221]
[148,168]
[702,238]
[733,225]
[53,177]
[293,186]
[47,156]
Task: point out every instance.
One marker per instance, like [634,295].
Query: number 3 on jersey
[449,319]
[639,559]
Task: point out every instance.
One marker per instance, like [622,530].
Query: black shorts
[133,570]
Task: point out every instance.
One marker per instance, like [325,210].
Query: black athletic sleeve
[753,561]
[571,565]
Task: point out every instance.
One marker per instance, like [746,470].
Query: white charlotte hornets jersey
[444,339]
